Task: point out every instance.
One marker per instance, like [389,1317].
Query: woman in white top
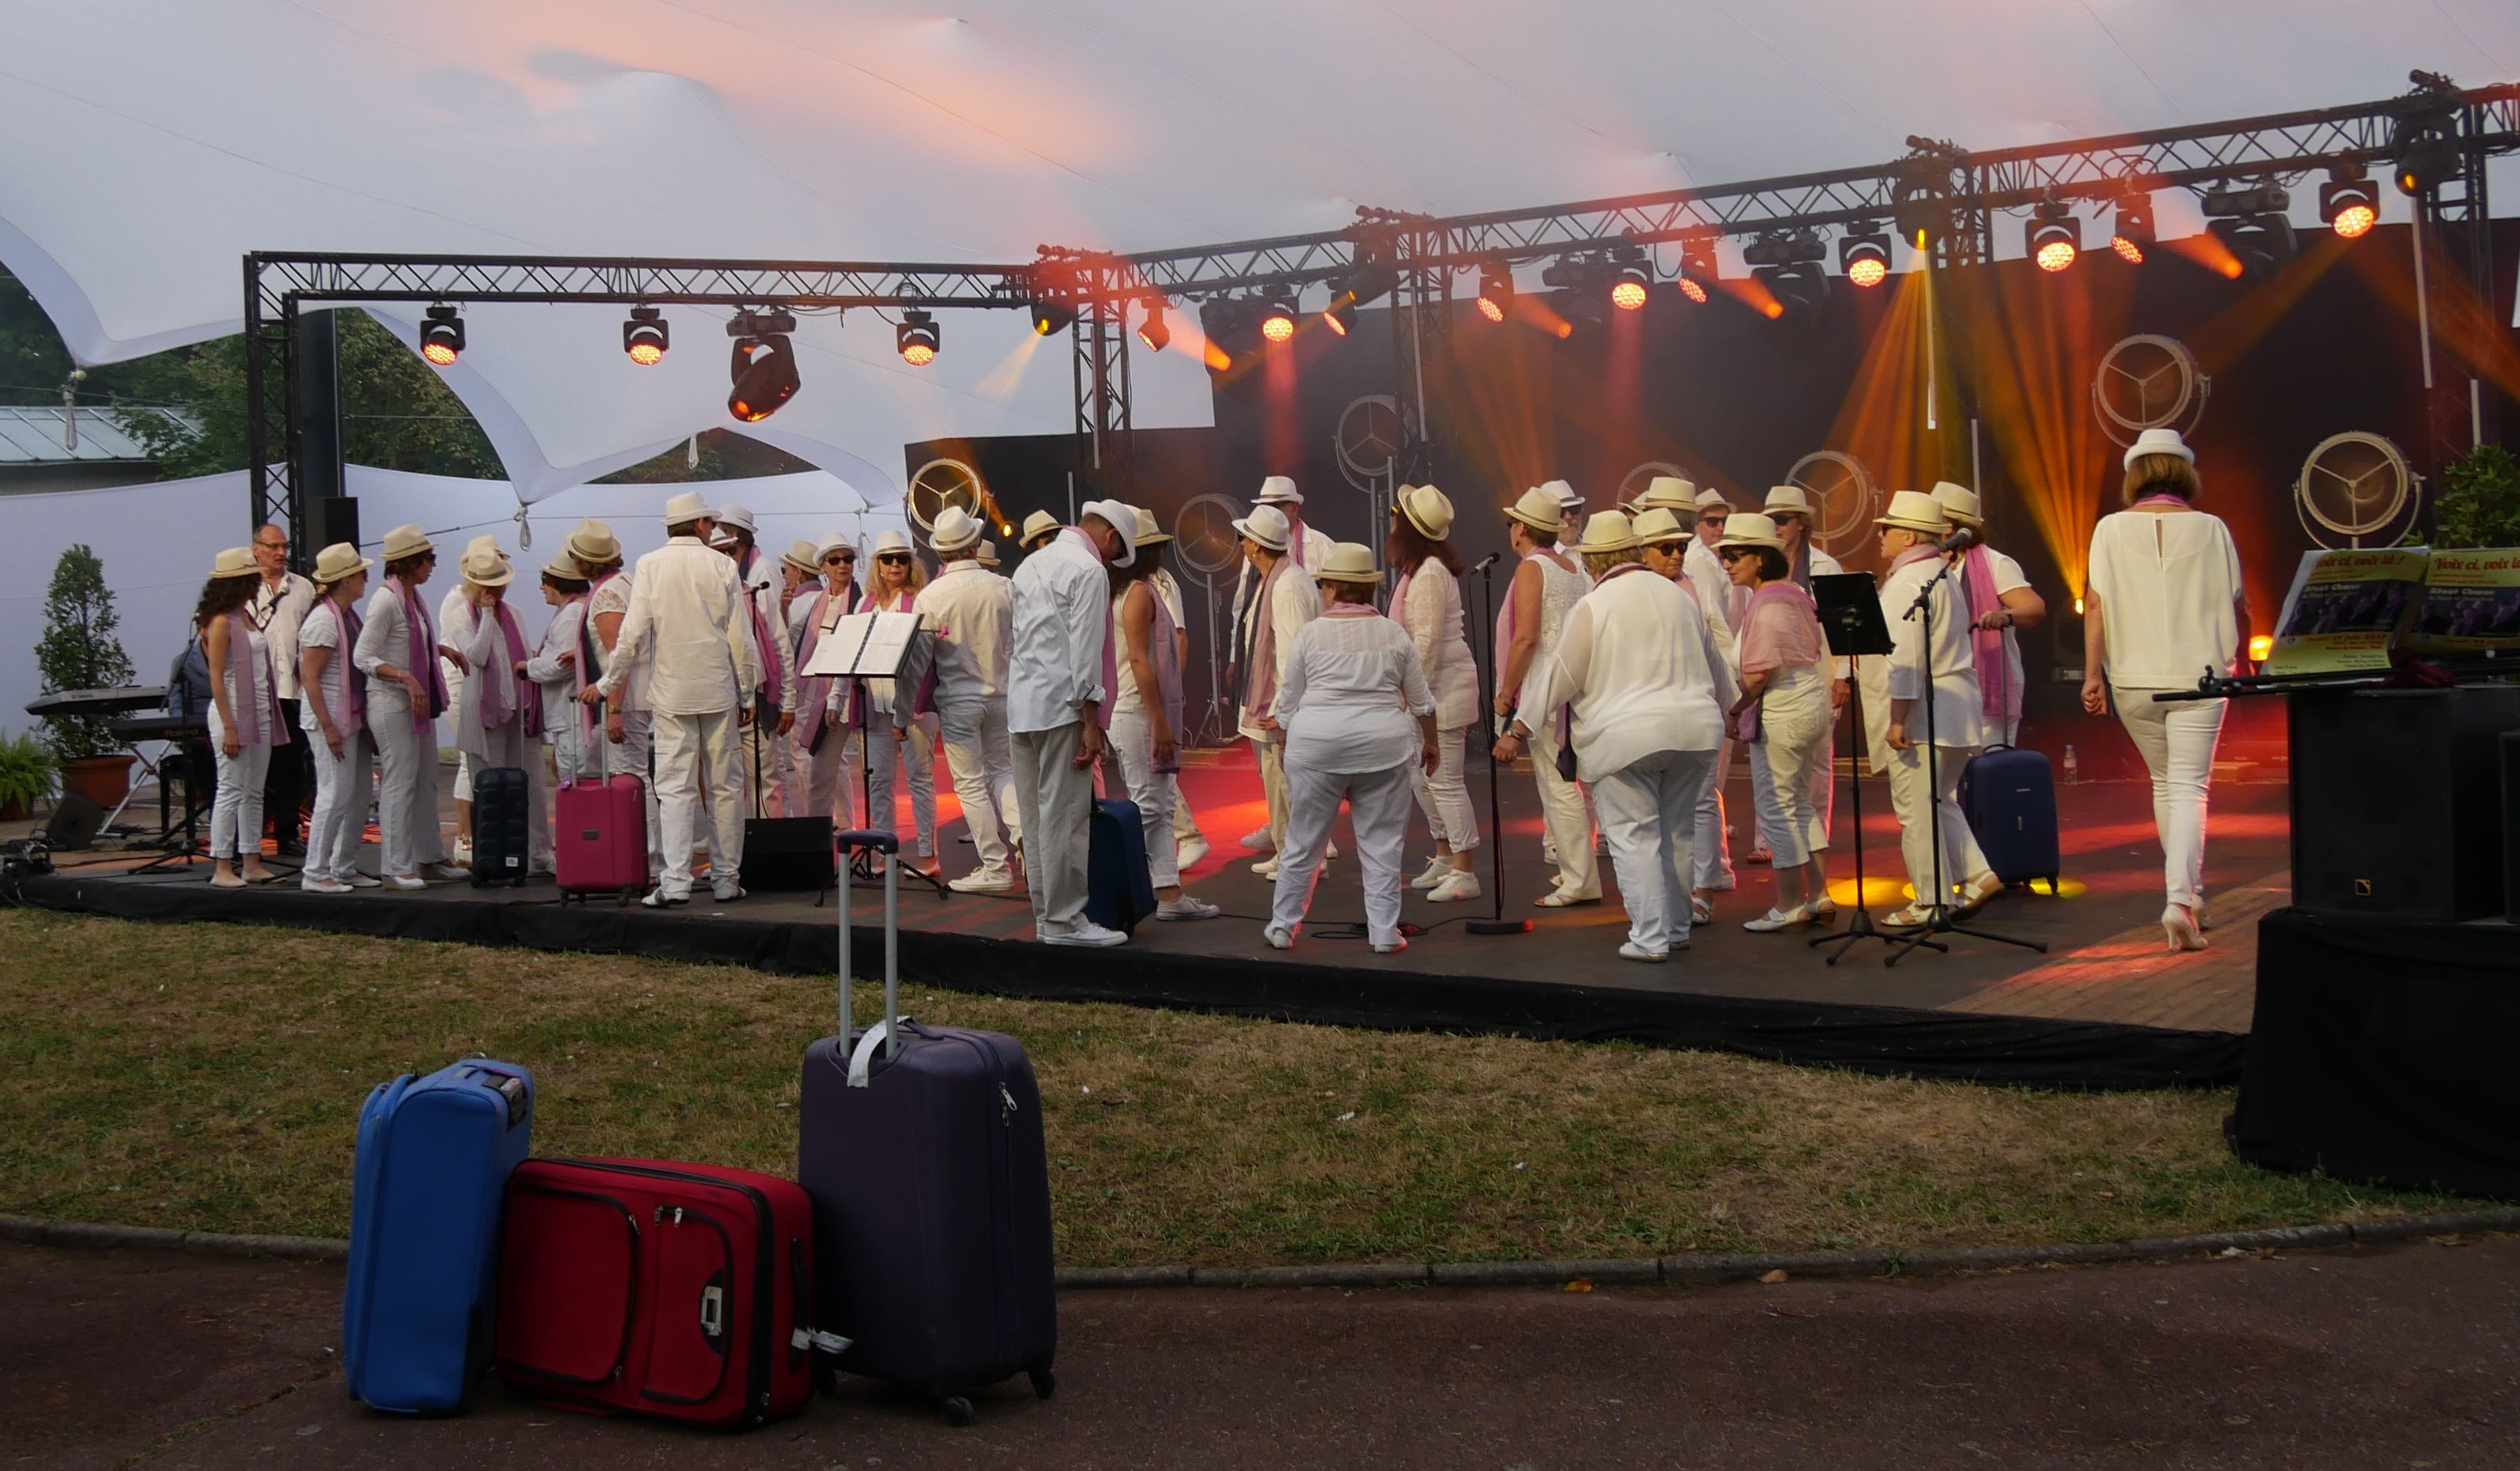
[2164,607]
[898,577]
[1648,689]
[559,671]
[1352,685]
[498,720]
[400,652]
[244,717]
[333,695]
[1546,588]
[1146,716]
[1783,716]
[1427,602]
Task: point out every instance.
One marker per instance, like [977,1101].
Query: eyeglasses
[893,558]
[1668,548]
[272,546]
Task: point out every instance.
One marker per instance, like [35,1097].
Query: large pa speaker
[791,854]
[74,823]
[2511,826]
[330,518]
[2397,801]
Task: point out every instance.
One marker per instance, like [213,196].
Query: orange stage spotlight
[2057,255]
[1278,325]
[644,336]
[2055,237]
[1689,288]
[441,336]
[1628,293]
[1868,272]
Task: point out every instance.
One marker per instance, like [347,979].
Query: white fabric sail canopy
[146,145]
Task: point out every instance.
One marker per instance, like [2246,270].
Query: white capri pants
[1912,796]
[1566,815]
[1443,796]
[342,784]
[1649,813]
[2178,743]
[885,758]
[1379,805]
[1795,726]
[235,812]
[1133,741]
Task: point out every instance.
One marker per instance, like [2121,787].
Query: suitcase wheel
[957,1409]
[1044,1383]
[628,898]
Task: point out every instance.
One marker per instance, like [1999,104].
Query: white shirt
[763,590]
[1061,619]
[1714,588]
[687,618]
[1637,662]
[1294,603]
[1959,716]
[384,638]
[1433,618]
[612,595]
[557,684]
[1351,688]
[1311,549]
[454,631]
[2166,584]
[971,610]
[277,612]
[2008,578]
[321,628]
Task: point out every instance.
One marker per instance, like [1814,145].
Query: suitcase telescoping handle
[889,846]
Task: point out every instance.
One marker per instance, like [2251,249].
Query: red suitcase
[600,838]
[680,1291]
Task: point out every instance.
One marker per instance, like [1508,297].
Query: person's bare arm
[2023,607]
[312,661]
[2096,656]
[1525,593]
[214,648]
[1137,633]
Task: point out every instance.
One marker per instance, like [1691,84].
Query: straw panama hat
[1428,509]
[733,515]
[1151,531]
[1751,528]
[485,542]
[1538,510]
[2158,441]
[1670,492]
[1786,499]
[800,556]
[1710,497]
[338,561]
[1958,503]
[1268,526]
[235,562]
[407,541]
[690,506]
[1657,524]
[1348,561]
[1568,499]
[1606,531]
[1119,516]
[487,569]
[565,566]
[1038,523]
[1915,511]
[955,530]
[1278,489]
[988,556]
[892,541]
[832,542]
[593,541]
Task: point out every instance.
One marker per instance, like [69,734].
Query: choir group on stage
[1640,652]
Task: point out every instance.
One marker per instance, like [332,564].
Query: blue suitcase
[921,1148]
[2009,797]
[1118,892]
[434,1155]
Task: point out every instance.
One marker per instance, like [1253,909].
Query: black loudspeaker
[330,518]
[2511,826]
[788,854]
[2397,801]
[74,823]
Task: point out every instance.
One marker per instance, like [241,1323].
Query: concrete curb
[1698,1269]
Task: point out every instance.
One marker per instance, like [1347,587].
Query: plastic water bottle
[2073,767]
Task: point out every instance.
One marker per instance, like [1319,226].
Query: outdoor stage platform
[2106,1007]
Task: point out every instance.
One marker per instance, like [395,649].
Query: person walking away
[1305,546]
[1546,588]
[904,727]
[1061,668]
[281,601]
[1281,601]
[687,604]
[2001,600]
[1665,544]
[971,615]
[1146,716]
[2166,601]
[399,650]
[501,721]
[1782,717]
[244,717]
[1925,779]
[334,718]
[1427,602]
[1360,723]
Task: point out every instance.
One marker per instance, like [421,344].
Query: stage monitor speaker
[788,854]
[330,518]
[2511,825]
[2397,809]
[74,823]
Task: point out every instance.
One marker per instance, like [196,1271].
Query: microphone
[1486,562]
[1961,539]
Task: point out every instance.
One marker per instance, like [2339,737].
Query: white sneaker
[983,881]
[659,898]
[726,893]
[1187,855]
[1438,869]
[1258,841]
[444,871]
[1267,868]
[1635,951]
[1458,883]
[360,881]
[1279,940]
[1393,948]
[1188,907]
[404,881]
[322,885]
[1087,932]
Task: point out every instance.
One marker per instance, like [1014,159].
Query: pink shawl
[1986,645]
[813,692]
[1789,635]
[770,667]
[251,696]
[1260,661]
[422,658]
[499,695]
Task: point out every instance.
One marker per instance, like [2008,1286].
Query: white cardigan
[1637,662]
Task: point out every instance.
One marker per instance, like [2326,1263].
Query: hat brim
[1243,529]
[1515,513]
[1627,543]
[1153,538]
[1920,528]
[955,546]
[1771,543]
[1410,513]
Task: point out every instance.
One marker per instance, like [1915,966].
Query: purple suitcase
[921,1148]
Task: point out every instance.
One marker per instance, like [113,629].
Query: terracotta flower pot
[102,779]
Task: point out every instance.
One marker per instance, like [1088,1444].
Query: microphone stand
[1939,911]
[1496,923]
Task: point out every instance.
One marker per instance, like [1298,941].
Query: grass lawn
[210,1076]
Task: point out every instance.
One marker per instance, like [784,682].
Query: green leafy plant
[26,771]
[79,652]
[2478,503]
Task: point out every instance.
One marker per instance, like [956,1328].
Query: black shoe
[293,847]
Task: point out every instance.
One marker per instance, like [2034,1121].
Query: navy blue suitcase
[921,1148]
[425,1202]
[1118,892]
[502,825]
[2009,797]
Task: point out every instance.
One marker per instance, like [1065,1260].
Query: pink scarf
[1994,682]
[1260,661]
[499,695]
[1167,662]
[1794,595]
[770,667]
[421,657]
[252,697]
[813,692]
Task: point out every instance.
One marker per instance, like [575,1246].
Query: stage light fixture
[762,365]
[1697,268]
[1278,321]
[1496,291]
[1628,292]
[1920,206]
[2053,236]
[1371,281]
[2426,156]
[2132,234]
[917,338]
[441,336]
[2265,197]
[1339,317]
[645,337]
[1228,324]
[2348,204]
[1152,332]
[2260,242]
[1799,286]
[1864,257]
[1049,318]
[1785,247]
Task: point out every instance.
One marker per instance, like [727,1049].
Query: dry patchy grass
[210,1076]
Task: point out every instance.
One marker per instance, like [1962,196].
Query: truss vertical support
[270,407]
[2480,401]
[1420,318]
[1103,435]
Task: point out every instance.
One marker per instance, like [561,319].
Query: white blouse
[1352,685]
[2167,583]
[322,630]
[1641,672]
[1433,618]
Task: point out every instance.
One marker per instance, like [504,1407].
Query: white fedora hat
[1121,517]
[1710,498]
[988,555]
[1958,503]
[955,530]
[1538,510]
[1751,528]
[690,506]
[407,541]
[1278,489]
[1348,561]
[338,561]
[892,540]
[1786,499]
[593,541]
[1151,531]
[487,569]
[733,515]
[800,556]
[235,562]
[564,566]
[1268,526]
[1915,511]
[1039,523]
[1657,524]
[1671,492]
[1428,509]
[2158,441]
[1565,493]
[1606,531]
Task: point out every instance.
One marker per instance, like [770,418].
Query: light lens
[1689,288]
[1868,272]
[1491,309]
[646,354]
[1628,296]
[2355,222]
[2056,255]
[918,354]
[2128,251]
[1277,327]
[441,354]
[2259,647]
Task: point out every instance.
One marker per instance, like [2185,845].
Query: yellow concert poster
[2347,609]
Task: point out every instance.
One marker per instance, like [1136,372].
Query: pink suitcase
[600,838]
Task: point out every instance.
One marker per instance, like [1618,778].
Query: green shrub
[26,770]
[2479,503]
[79,652]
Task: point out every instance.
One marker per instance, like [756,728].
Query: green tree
[2478,503]
[79,651]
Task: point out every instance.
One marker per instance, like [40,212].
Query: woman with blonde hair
[1427,602]
[244,717]
[2166,603]
[898,578]
[333,695]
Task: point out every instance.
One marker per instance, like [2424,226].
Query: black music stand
[864,646]
[1850,613]
[1496,923]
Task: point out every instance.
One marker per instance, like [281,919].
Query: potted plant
[2478,503]
[26,775]
[79,652]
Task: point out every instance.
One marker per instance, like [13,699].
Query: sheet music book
[1850,614]
[871,645]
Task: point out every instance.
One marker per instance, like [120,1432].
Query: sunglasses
[1733,554]
[894,558]
[836,560]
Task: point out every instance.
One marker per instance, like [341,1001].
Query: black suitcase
[921,1148]
[1119,889]
[502,821]
[2009,798]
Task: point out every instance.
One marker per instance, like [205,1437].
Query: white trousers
[2178,743]
[1133,741]
[1711,856]
[1443,796]
[342,786]
[407,831]
[1185,822]
[1568,816]
[1378,803]
[980,760]
[686,746]
[828,778]
[1795,728]
[1272,757]
[1649,817]
[1055,798]
[886,757]
[235,812]
[1915,795]
[571,758]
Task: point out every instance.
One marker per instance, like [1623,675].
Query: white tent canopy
[146,145]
